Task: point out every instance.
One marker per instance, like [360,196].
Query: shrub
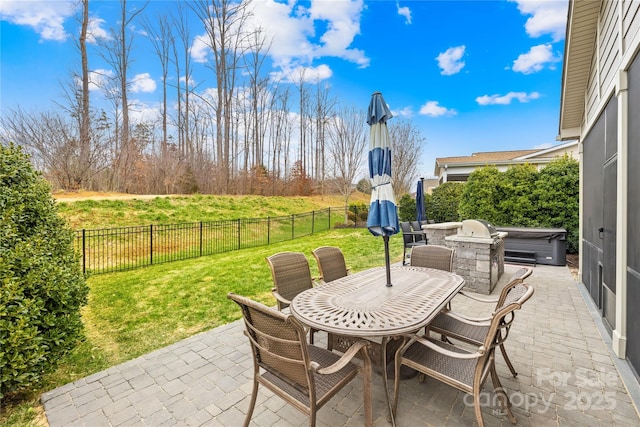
[524,197]
[407,208]
[442,204]
[42,285]
[481,195]
[557,195]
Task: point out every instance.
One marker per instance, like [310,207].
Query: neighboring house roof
[485,157]
[463,165]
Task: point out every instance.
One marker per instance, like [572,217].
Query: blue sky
[471,75]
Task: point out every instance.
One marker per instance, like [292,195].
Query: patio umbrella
[420,216]
[383,213]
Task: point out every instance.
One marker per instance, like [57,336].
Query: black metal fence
[118,249]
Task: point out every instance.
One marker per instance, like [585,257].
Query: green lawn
[132,313]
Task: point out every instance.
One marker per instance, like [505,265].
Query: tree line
[250,134]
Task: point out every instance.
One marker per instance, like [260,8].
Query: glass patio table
[361,305]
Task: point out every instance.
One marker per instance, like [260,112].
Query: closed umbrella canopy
[383,212]
[420,215]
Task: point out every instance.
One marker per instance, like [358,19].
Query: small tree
[480,196]
[407,208]
[42,285]
[557,194]
[442,204]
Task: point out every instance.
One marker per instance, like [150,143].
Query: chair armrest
[488,300]
[280,297]
[454,354]
[342,362]
[475,321]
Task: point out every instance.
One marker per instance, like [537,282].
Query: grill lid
[477,228]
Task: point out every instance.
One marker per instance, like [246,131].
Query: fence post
[313,221]
[239,238]
[200,238]
[84,253]
[329,216]
[268,230]
[293,234]
[151,244]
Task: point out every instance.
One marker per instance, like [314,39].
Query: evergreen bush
[442,204]
[42,285]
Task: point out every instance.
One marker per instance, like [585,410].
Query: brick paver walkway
[566,376]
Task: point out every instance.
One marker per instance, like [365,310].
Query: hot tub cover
[535,233]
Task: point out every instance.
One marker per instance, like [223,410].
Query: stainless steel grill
[477,228]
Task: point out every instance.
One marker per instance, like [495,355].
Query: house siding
[610,221]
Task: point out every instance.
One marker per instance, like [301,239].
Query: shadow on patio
[566,376]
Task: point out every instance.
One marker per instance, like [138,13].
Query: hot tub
[535,245]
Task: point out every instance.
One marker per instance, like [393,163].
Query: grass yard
[95,211]
[132,313]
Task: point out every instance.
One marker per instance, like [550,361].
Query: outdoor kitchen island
[479,251]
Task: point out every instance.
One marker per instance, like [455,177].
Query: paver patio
[566,376]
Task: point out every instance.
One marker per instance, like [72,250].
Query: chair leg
[404,256]
[506,359]
[478,409]
[366,387]
[252,404]
[502,395]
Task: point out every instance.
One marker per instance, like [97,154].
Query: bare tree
[85,120]
[224,22]
[116,51]
[53,141]
[406,143]
[324,108]
[346,149]
[182,61]
[161,39]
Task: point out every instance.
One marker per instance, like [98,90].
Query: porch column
[619,335]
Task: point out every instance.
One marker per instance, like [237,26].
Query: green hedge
[525,197]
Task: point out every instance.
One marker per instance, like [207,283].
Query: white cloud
[45,17]
[95,30]
[143,113]
[307,74]
[433,109]
[292,32]
[547,17]
[403,112]
[506,99]
[199,48]
[450,61]
[99,79]
[535,60]
[406,12]
[143,83]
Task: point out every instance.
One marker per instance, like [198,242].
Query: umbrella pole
[386,259]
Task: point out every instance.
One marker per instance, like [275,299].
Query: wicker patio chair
[411,239]
[464,369]
[472,330]
[291,275]
[331,263]
[304,375]
[433,256]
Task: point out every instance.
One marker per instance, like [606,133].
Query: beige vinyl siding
[593,96]
[630,21]
[609,52]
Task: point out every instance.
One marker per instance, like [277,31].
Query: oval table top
[362,305]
